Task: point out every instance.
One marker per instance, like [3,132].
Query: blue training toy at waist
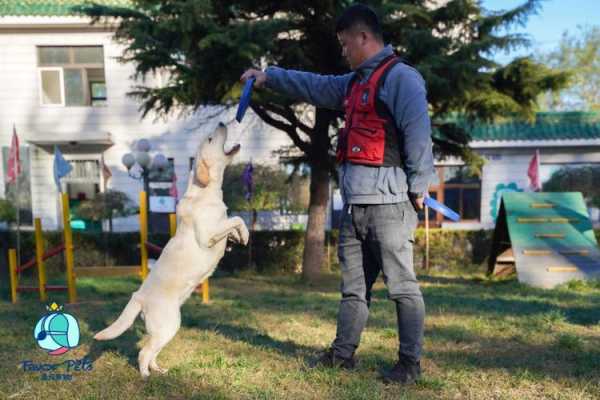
[437,206]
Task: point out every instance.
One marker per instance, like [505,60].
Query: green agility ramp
[546,237]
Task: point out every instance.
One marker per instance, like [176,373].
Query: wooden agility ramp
[547,238]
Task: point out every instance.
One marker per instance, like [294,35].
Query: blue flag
[61,167]
[247,181]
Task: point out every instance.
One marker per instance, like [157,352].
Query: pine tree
[207,44]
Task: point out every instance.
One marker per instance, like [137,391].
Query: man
[385,167]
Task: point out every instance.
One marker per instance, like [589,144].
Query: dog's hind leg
[162,325]
[154,366]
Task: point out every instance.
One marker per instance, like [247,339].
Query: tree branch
[288,113]
[263,112]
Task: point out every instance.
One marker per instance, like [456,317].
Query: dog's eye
[209,139]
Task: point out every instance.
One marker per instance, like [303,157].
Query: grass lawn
[484,340]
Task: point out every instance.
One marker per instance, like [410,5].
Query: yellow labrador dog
[189,257]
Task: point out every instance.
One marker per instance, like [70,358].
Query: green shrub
[272,252]
[8,212]
[452,250]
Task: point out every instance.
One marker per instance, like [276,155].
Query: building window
[82,185]
[72,76]
[458,189]
[83,182]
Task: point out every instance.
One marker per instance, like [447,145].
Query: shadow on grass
[173,385]
[461,296]
[254,338]
[103,301]
[475,297]
[555,360]
[125,345]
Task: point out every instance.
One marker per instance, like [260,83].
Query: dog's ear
[202,173]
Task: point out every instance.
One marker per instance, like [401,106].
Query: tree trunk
[314,240]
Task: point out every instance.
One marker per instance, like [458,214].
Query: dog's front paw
[243,234]
[234,236]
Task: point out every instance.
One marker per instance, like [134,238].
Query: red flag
[14,162]
[173,189]
[533,172]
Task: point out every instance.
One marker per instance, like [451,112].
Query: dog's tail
[125,320]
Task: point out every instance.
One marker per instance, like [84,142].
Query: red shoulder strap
[378,76]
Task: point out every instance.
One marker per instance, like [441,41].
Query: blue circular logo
[57,333]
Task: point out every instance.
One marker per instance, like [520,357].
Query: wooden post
[143,234]
[328,239]
[172,224]
[12,268]
[203,287]
[39,254]
[205,292]
[68,238]
[426,238]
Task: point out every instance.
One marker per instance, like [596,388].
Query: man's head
[359,33]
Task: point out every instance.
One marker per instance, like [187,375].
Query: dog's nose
[221,125]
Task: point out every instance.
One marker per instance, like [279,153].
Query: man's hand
[260,76]
[417,201]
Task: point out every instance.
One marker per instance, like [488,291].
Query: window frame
[97,157]
[83,67]
[91,97]
[439,192]
[62,86]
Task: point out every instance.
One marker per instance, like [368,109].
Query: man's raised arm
[326,91]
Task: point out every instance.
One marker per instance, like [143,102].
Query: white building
[60,84]
[568,139]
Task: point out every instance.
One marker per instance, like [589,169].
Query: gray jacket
[404,93]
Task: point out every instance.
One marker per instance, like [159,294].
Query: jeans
[374,238]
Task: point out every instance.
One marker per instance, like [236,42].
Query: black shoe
[404,373]
[330,360]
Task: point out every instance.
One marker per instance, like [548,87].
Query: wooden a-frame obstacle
[73,272]
[547,238]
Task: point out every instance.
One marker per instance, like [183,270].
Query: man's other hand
[260,76]
[419,203]
[417,200]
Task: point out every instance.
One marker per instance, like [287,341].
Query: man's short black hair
[359,15]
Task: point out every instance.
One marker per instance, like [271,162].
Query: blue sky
[546,28]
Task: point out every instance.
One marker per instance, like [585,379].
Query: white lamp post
[142,158]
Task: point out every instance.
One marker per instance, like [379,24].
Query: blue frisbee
[245,99]
[437,206]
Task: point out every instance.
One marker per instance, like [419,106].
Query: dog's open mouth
[233,150]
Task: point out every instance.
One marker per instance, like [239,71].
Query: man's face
[353,42]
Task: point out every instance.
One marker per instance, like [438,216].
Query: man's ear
[202,173]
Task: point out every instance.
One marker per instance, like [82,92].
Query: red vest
[369,136]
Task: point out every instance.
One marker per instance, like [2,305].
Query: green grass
[484,339]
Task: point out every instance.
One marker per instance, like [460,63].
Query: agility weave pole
[71,272]
[40,257]
[145,245]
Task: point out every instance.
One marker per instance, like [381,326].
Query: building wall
[177,138]
[506,169]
